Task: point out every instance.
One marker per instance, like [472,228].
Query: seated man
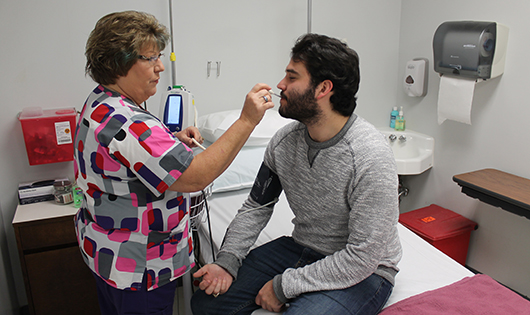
[339,177]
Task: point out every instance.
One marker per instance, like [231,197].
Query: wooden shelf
[497,188]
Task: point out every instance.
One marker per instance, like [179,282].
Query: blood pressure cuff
[266,187]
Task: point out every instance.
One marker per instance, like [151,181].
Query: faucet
[402,138]
[392,137]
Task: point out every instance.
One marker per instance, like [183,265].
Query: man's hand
[267,299]
[215,279]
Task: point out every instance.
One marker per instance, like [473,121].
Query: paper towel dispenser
[470,49]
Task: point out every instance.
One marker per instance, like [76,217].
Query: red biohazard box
[444,229]
[48,134]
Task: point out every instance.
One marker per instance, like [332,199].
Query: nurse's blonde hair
[114,45]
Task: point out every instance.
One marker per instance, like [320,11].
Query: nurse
[132,227]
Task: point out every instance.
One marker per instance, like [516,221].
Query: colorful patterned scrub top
[129,223]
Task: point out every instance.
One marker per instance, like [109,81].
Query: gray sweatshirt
[343,193]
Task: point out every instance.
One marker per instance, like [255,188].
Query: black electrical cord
[209,225]
[196,239]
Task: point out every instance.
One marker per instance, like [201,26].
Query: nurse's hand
[215,279]
[258,100]
[209,164]
[185,136]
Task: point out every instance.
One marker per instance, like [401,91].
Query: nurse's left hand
[185,136]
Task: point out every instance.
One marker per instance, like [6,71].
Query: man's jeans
[268,260]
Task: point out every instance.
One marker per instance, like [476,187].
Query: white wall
[372,29]
[496,139]
[253,44]
[251,40]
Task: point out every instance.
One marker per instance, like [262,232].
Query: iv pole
[186,278]
[172,56]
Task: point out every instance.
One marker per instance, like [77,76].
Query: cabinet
[56,278]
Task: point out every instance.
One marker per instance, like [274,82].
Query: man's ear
[324,89]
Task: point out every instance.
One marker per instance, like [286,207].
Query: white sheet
[223,208]
[242,172]
[422,268]
[212,126]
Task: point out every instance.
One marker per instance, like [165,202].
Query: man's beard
[301,106]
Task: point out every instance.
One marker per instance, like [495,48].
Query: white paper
[455,98]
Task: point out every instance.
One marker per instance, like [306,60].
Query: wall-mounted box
[416,77]
[48,134]
[472,49]
[444,229]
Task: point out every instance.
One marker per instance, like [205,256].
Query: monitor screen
[173,108]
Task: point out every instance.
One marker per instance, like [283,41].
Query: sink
[413,151]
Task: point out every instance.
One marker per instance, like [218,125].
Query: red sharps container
[48,134]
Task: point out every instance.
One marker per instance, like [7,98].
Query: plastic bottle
[78,196]
[400,120]
[393,115]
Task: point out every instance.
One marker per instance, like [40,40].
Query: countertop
[42,210]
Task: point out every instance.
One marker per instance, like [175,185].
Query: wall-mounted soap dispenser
[415,79]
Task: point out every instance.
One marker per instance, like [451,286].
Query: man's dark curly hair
[328,58]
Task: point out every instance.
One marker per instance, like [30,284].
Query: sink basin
[413,151]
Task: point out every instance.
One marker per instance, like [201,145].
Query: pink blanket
[478,294]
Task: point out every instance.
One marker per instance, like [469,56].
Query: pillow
[243,170]
[212,126]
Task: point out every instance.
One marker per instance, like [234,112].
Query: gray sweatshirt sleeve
[250,219]
[242,234]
